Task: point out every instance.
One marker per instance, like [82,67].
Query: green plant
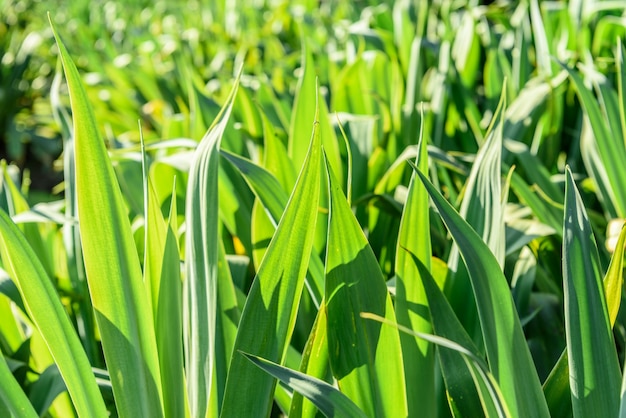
[185,278]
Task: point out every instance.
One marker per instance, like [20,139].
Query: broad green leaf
[414,236]
[45,309]
[13,400]
[508,355]
[330,401]
[269,315]
[201,262]
[365,357]
[593,366]
[274,199]
[112,264]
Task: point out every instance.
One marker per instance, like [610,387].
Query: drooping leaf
[330,401]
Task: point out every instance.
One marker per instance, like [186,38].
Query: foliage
[340,208]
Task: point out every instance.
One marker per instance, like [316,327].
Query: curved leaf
[330,401]
[507,351]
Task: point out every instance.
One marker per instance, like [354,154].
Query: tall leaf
[162,278]
[201,262]
[507,352]
[414,236]
[365,357]
[268,318]
[112,263]
[13,400]
[594,368]
[45,309]
[327,398]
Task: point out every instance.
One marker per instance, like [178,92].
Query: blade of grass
[314,363]
[465,399]
[556,387]
[475,363]
[269,315]
[593,364]
[112,264]
[482,209]
[274,199]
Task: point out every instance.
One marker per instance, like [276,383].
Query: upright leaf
[45,309]
[268,318]
[327,398]
[593,364]
[201,262]
[162,278]
[414,236]
[365,356]
[507,352]
[13,400]
[112,263]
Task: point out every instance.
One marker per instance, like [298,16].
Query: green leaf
[507,352]
[305,107]
[476,365]
[614,278]
[45,309]
[314,363]
[12,397]
[274,199]
[557,386]
[112,264]
[201,262]
[269,315]
[162,278]
[482,208]
[612,152]
[459,375]
[365,357]
[593,364]
[330,401]
[414,236]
